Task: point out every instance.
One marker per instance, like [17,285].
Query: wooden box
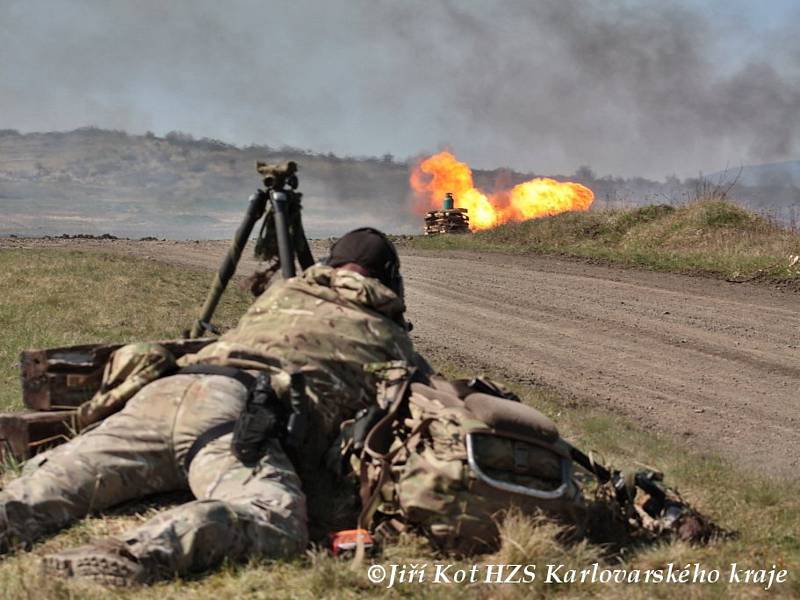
[23,434]
[64,378]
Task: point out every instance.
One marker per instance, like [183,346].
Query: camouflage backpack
[448,462]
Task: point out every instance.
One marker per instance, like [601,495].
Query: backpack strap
[371,486]
[394,388]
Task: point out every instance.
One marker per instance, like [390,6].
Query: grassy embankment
[705,237]
[56,297]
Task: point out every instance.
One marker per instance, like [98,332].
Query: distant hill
[94,181]
[780,174]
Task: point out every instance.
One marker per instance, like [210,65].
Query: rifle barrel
[600,471]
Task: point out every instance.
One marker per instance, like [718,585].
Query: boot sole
[103,568]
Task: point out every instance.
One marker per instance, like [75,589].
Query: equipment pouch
[258,422]
[297,421]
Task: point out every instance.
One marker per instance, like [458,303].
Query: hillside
[94,181]
[705,237]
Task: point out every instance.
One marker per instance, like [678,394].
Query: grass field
[61,298]
[57,297]
[705,237]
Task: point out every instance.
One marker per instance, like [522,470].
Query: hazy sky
[630,88]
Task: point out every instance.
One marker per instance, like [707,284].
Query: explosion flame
[433,177]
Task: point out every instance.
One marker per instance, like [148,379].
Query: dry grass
[706,237]
[59,298]
[83,297]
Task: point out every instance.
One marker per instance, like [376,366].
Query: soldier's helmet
[371,249]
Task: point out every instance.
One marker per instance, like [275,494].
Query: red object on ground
[347,541]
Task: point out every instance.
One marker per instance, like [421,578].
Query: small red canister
[345,542]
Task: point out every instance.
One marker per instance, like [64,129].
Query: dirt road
[713,363]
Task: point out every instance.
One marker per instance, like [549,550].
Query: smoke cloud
[632,88]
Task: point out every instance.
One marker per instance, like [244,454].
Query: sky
[628,87]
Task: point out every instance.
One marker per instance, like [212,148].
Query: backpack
[448,462]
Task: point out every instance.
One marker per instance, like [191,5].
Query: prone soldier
[177,433]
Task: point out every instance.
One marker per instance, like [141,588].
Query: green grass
[56,298]
[62,298]
[705,237]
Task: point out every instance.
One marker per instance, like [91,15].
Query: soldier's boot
[107,562]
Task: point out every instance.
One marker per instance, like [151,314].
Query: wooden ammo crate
[23,434]
[64,378]
[54,382]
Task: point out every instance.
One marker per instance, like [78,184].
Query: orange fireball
[433,177]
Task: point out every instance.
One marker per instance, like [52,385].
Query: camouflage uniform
[127,371]
[327,323]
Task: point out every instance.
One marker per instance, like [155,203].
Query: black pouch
[365,420]
[259,422]
[297,421]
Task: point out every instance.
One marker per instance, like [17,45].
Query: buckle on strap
[521,458]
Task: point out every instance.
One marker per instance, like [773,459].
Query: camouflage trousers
[240,511]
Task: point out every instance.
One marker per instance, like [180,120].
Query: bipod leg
[228,267]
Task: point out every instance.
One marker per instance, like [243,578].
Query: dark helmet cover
[372,250]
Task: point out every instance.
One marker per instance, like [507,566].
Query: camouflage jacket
[127,371]
[328,323]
